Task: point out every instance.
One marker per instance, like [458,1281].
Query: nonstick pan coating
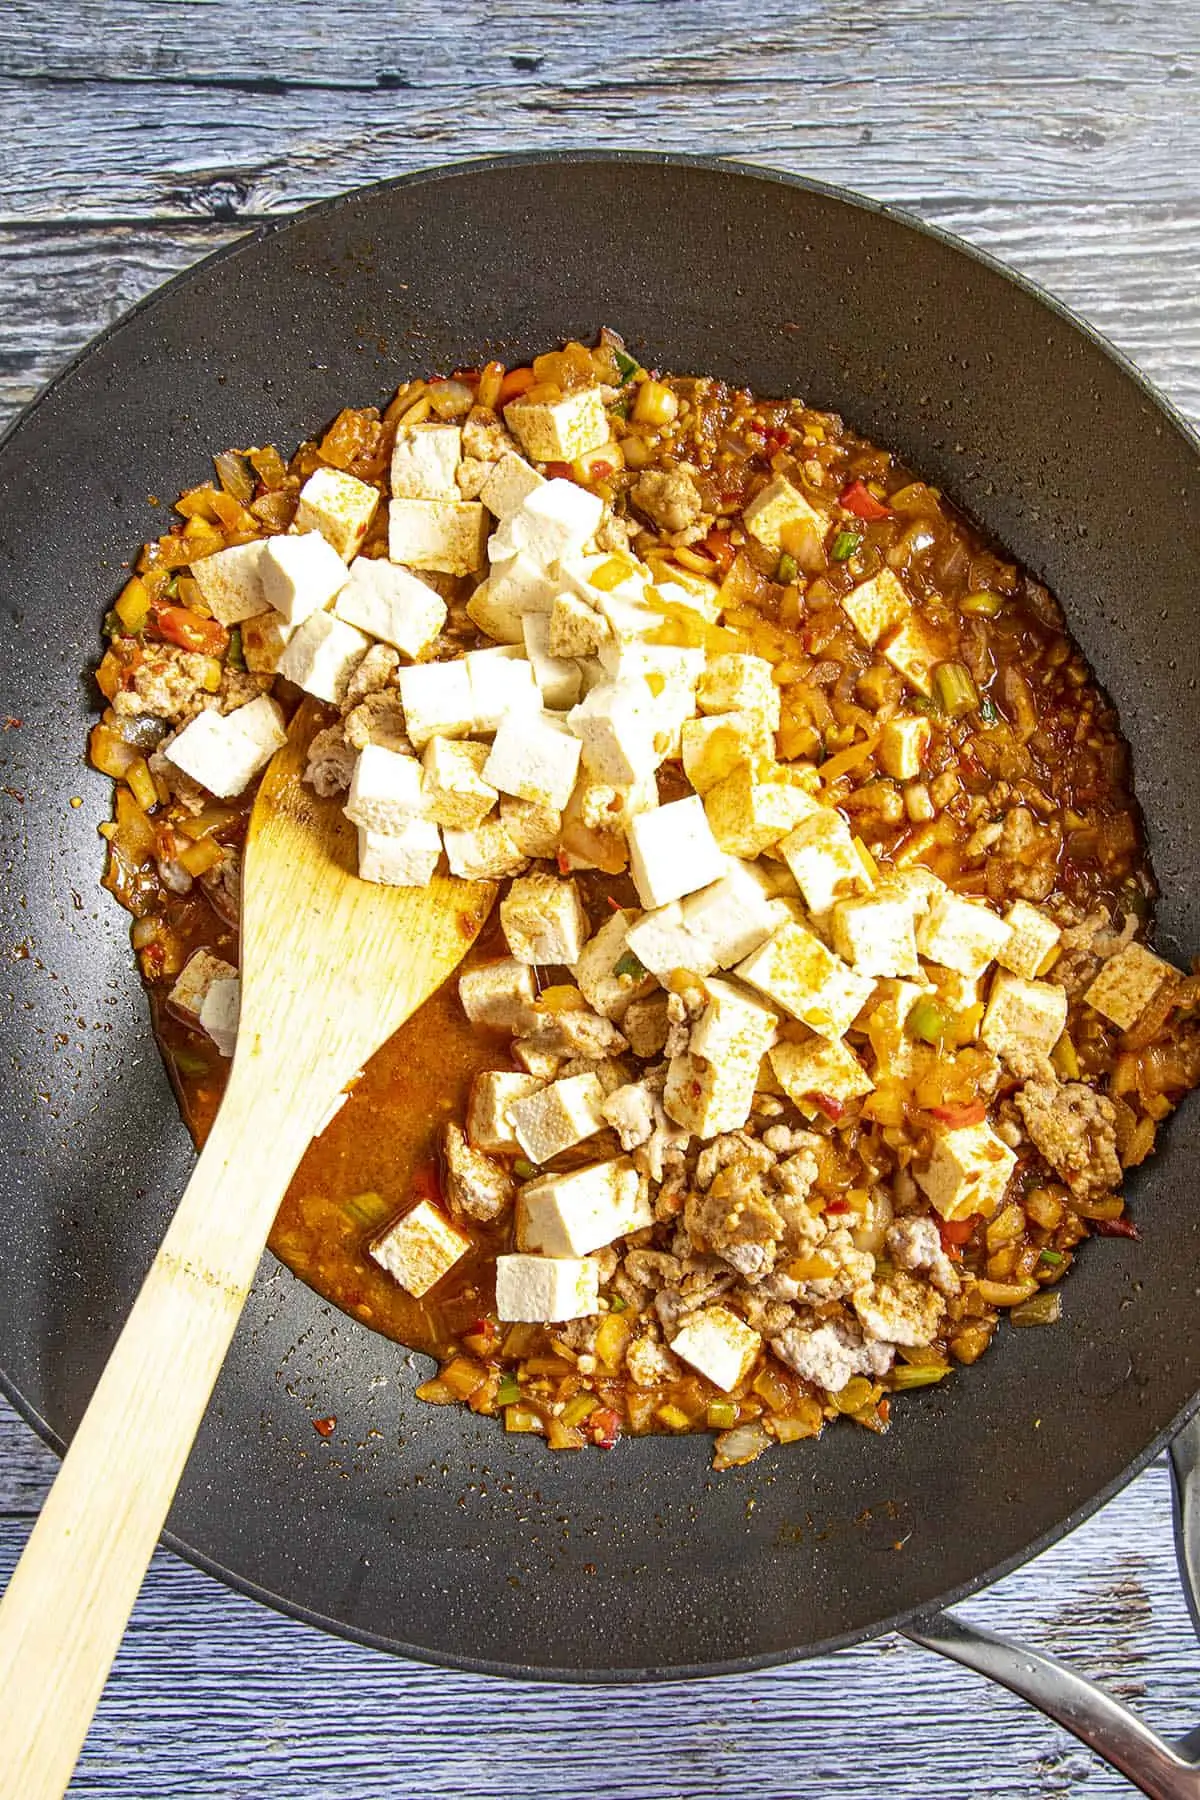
[426,1529]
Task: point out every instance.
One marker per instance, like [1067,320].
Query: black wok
[426,1530]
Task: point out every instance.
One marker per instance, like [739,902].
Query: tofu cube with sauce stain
[672,852]
[755,807]
[558,1116]
[875,934]
[823,857]
[483,852]
[231,582]
[521,583]
[830,1070]
[1032,940]
[499,995]
[489,1127]
[559,430]
[558,677]
[967,1173]
[719,1344]
[574,628]
[875,606]
[446,535]
[385,791]
[713,747]
[405,857]
[533,828]
[510,484]
[550,526]
[199,972]
[1024,1020]
[219,1012]
[903,746]
[607,972]
[546,1290]
[795,971]
[543,920]
[732,1028]
[301,574]
[733,916]
[618,731]
[663,942]
[913,654]
[437,702]
[533,758]
[225,751]
[961,934]
[496,618]
[1127,984]
[568,1215]
[419,1249]
[708,1098]
[264,639]
[322,654]
[425,460]
[455,792]
[732,682]
[389,603]
[340,507]
[778,511]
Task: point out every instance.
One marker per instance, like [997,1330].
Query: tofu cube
[568,1215]
[605,806]
[575,627]
[510,484]
[231,581]
[404,857]
[436,698]
[1126,984]
[558,1116]
[733,916]
[522,584]
[544,1064]
[419,1249]
[553,523]
[876,606]
[596,968]
[533,828]
[732,1028]
[1024,1020]
[719,1344]
[447,535]
[558,677]
[543,920]
[673,852]
[779,512]
[388,603]
[224,752]
[219,1013]
[340,507]
[559,430]
[322,654]
[830,1070]
[961,934]
[913,654]
[967,1173]
[198,974]
[500,995]
[264,639]
[617,728]
[904,745]
[497,619]
[684,588]
[454,789]
[735,683]
[796,972]
[385,791]
[822,856]
[714,747]
[1032,941]
[876,934]
[493,1091]
[663,943]
[546,1290]
[751,810]
[301,575]
[425,461]
[533,758]
[482,852]
[502,685]
[708,1098]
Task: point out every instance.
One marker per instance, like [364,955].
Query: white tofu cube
[534,829]
[778,511]
[301,575]
[231,581]
[419,1249]
[385,790]
[224,752]
[322,654]
[437,702]
[1032,941]
[618,729]
[1024,1020]
[510,484]
[198,974]
[820,1072]
[454,789]
[568,1215]
[499,995]
[732,1028]
[497,619]
[264,639]
[608,973]
[904,745]
[543,920]
[823,857]
[961,934]
[425,460]
[733,916]
[706,1098]
[219,1012]
[559,430]
[673,852]
[553,523]
[575,628]
[795,971]
[522,584]
[913,654]
[546,1290]
[502,686]
[968,1172]
[533,758]
[735,683]
[751,810]
[558,1116]
[714,747]
[876,934]
[388,603]
[875,606]
[493,1091]
[404,857]
[483,853]
[662,942]
[448,535]
[1126,984]
[719,1344]
[340,507]
[558,677]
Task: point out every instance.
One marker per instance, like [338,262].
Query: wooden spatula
[331,967]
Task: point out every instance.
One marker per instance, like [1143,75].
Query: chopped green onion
[189,1062]
[509,1392]
[522,1168]
[954,689]
[721,1414]
[987,710]
[366,1209]
[1040,1309]
[617,1304]
[113,627]
[844,545]
[786,571]
[577,1410]
[916,1375]
[926,1021]
[981,605]
[235,656]
[1052,1258]
[628,964]
[627,365]
[620,408]
[920,703]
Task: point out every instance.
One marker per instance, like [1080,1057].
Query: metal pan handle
[1165,1770]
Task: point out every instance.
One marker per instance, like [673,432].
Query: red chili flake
[615,904]
[12,723]
[559,471]
[837,1206]
[563,861]
[1115,1228]
[487,1329]
[825,1103]
[859,500]
[601,470]
[954,1232]
[884,1409]
[465,375]
[325,1427]
[603,1427]
[775,438]
[971,1112]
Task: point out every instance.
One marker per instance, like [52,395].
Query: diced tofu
[736,683]
[425,460]
[219,1012]
[876,935]
[617,728]
[684,588]
[830,1070]
[663,943]
[500,995]
[534,829]
[264,639]
[483,853]
[498,619]
[673,852]
[388,603]
[608,806]
[1032,941]
[714,747]
[1126,984]
[502,685]
[455,792]
[903,746]
[749,813]
[340,507]
[420,1248]
[646,1023]
[709,1098]
[522,584]
[558,1116]
[575,627]
[913,654]
[544,1064]
[568,1215]
[224,752]
[674,663]
[967,1173]
[199,972]
[778,511]
[448,535]
[553,523]
[543,920]
[301,574]
[510,484]
[557,677]
[436,698]
[733,916]
[405,857]
[559,430]
[545,1290]
[231,582]
[489,1127]
[533,758]
[732,1028]
[795,971]
[875,606]
[719,1344]
[821,854]
[386,790]
[1024,1020]
[596,968]
[322,654]
[962,934]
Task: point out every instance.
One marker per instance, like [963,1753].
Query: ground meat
[1075,1130]
[916,1244]
[188,793]
[613,534]
[900,1311]
[731,1147]
[609,1071]
[379,719]
[485,436]
[580,1033]
[831,1353]
[476,1186]
[630,1111]
[223,886]
[238,688]
[165,682]
[1085,946]
[668,497]
[653,1269]
[851,1269]
[736,1220]
[768,1316]
[797,1174]
[649,1364]
[372,674]
[664,1149]
[330,766]
[783,1139]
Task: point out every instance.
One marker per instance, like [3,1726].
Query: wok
[426,1530]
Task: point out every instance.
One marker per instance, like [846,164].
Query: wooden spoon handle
[70,1597]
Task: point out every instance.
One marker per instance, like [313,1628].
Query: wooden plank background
[1062,136]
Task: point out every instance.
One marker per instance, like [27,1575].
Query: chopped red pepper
[189,630]
[603,1427]
[615,904]
[859,500]
[487,1329]
[563,861]
[838,1206]
[515,383]
[559,471]
[956,1231]
[326,1427]
[1115,1228]
[971,1112]
[825,1103]
[718,546]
